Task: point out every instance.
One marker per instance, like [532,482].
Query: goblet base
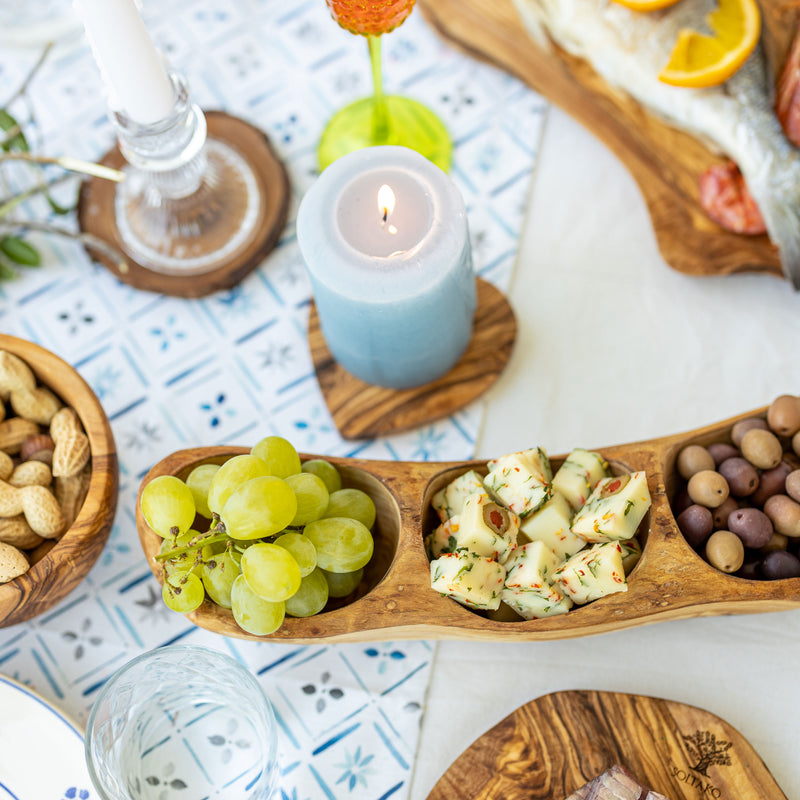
[408,124]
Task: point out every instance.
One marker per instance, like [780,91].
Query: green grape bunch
[283,536]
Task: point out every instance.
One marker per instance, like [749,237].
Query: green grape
[341,584]
[312,497]
[218,575]
[186,596]
[310,598]
[252,613]
[352,503]
[167,503]
[199,482]
[259,507]
[301,549]
[232,474]
[280,455]
[271,571]
[342,544]
[325,470]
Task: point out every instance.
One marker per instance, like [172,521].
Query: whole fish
[628,49]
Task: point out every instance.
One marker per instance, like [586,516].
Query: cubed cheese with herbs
[448,501]
[592,573]
[487,528]
[614,509]
[578,475]
[443,538]
[470,579]
[529,588]
[521,481]
[631,553]
[551,525]
[533,606]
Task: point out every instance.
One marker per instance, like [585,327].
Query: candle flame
[385,201]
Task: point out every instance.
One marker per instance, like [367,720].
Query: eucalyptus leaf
[6,273]
[16,142]
[19,251]
[57,207]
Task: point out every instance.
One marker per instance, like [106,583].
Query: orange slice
[646,5]
[698,60]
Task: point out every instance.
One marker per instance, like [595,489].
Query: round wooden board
[549,747]
[665,162]
[96,214]
[361,410]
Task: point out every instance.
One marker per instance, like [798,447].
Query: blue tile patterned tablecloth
[235,366]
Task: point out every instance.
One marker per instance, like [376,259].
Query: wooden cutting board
[549,747]
[665,162]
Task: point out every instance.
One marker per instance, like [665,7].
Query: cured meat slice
[616,783]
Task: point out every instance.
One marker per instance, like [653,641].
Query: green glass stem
[380,114]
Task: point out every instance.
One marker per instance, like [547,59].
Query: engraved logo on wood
[706,750]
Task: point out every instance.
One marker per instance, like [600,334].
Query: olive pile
[740,506]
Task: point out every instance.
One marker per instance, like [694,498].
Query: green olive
[693,458]
[725,551]
[708,488]
[762,448]
[743,425]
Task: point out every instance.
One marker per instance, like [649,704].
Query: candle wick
[385,213]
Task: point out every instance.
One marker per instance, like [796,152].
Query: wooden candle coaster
[96,215]
[361,410]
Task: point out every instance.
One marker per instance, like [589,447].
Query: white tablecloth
[615,347]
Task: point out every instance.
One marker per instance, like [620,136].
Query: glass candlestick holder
[187,203]
[203,200]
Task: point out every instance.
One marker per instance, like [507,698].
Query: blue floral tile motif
[356,769]
[234,367]
[384,653]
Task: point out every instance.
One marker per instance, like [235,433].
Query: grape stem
[197,543]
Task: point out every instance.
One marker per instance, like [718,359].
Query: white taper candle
[132,68]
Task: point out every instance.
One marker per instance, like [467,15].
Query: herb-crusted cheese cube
[520,480]
[592,573]
[631,553]
[443,538]
[487,528]
[551,525]
[533,606]
[614,509]
[470,579]
[531,568]
[578,475]
[449,501]
[529,588]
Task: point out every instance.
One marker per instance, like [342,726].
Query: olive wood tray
[395,600]
[550,746]
[665,162]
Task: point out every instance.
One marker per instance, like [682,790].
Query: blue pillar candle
[384,236]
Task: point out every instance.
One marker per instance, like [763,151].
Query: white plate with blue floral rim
[41,749]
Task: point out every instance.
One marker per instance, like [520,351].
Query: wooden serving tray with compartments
[395,600]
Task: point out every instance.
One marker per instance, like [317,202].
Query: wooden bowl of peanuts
[58,479]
